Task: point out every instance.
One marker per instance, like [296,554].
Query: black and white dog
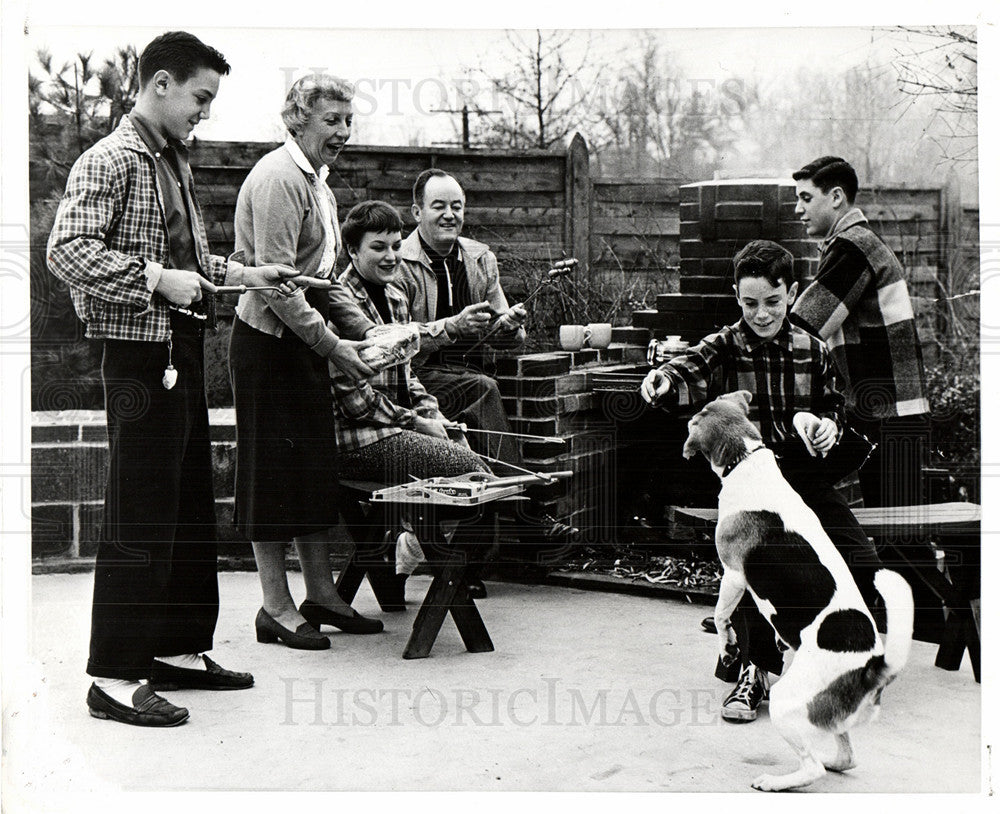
[773,545]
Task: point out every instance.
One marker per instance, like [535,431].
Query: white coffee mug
[573,337]
[600,334]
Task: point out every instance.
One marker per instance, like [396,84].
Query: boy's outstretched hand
[818,434]
[655,386]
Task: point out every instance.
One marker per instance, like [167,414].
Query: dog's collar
[732,465]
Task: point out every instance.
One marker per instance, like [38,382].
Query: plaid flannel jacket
[860,306]
[370,411]
[788,374]
[108,227]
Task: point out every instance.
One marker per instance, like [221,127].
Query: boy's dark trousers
[756,638]
[894,474]
[155,583]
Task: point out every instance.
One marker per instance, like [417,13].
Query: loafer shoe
[708,624]
[317,615]
[213,677]
[476,589]
[148,709]
[304,637]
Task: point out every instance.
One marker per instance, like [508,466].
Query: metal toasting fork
[560,269]
[301,281]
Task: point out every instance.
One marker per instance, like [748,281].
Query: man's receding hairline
[427,199]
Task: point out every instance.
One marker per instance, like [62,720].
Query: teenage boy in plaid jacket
[860,306]
[799,413]
[129,241]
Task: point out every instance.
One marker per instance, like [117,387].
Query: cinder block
[509,386]
[223,469]
[68,474]
[633,354]
[222,432]
[691,265]
[539,408]
[91,528]
[707,285]
[94,433]
[53,433]
[587,356]
[535,364]
[51,530]
[631,335]
[671,303]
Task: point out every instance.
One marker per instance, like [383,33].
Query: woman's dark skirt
[286,452]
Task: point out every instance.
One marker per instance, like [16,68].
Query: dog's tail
[898,599]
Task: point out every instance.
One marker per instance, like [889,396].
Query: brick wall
[69,453]
[546,394]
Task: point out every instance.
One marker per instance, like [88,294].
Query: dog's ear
[742,398]
[692,446]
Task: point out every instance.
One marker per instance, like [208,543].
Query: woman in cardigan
[389,428]
[286,488]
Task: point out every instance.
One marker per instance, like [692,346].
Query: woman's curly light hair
[303,95]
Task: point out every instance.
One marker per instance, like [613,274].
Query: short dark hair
[828,172]
[369,216]
[180,54]
[764,258]
[421,182]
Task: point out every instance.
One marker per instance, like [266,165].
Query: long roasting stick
[545,477]
[560,269]
[522,435]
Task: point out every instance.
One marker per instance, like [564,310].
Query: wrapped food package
[388,345]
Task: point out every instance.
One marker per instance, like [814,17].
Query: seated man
[451,285]
[800,416]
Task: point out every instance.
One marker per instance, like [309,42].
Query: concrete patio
[585,692]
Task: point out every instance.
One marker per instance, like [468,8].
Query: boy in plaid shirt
[129,241]
[799,414]
[860,306]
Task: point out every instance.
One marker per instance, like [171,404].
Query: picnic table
[909,532]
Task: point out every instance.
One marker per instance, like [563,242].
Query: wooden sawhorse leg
[448,594]
[373,557]
[960,631]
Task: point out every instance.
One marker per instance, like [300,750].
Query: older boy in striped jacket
[860,306]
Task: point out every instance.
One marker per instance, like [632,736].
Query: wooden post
[949,250]
[577,231]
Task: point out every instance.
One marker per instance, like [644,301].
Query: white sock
[188,661]
[120,689]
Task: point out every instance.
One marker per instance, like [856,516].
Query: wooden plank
[930,519]
[635,209]
[636,193]
[636,226]
[212,192]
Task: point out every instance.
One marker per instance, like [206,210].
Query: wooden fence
[537,206]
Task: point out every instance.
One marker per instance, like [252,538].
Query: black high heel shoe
[317,615]
[304,637]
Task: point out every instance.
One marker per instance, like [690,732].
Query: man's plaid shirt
[109,226]
[372,410]
[860,306]
[788,374]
